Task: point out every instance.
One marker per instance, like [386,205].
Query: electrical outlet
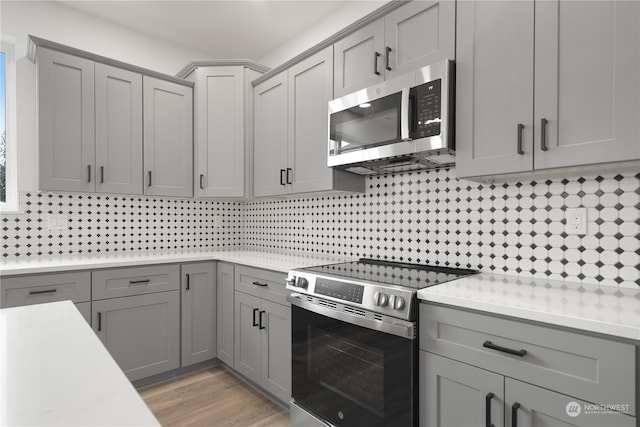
[56,222]
[576,221]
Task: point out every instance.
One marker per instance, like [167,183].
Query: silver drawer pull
[139,282]
[492,346]
[48,291]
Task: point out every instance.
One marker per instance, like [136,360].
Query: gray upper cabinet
[66,122]
[409,37]
[219,132]
[357,59]
[310,90]
[418,34]
[270,136]
[224,312]
[494,79]
[198,312]
[586,78]
[118,104]
[582,58]
[291,131]
[168,138]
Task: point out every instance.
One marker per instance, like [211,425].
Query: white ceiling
[220,28]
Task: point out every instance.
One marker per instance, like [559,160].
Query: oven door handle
[399,327]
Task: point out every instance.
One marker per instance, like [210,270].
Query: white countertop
[55,371]
[277,261]
[603,309]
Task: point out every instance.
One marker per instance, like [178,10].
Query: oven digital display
[341,290]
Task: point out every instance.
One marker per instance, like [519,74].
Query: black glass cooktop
[416,276]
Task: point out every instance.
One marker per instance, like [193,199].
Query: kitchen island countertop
[55,371]
[602,309]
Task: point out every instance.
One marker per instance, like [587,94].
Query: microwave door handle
[404,115]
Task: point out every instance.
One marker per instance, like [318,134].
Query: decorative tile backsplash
[432,217]
[111,224]
[425,217]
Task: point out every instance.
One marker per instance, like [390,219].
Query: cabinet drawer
[264,284]
[594,369]
[124,282]
[27,290]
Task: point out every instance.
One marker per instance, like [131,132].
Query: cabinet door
[168,138]
[418,34]
[198,312]
[142,332]
[454,394]
[247,336]
[586,80]
[270,136]
[224,312]
[118,106]
[276,350]
[219,124]
[535,406]
[310,90]
[494,87]
[66,122]
[43,288]
[358,59]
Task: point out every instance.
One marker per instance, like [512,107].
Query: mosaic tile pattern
[425,217]
[432,217]
[107,224]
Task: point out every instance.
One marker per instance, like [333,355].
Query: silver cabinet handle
[520,129]
[202,181]
[282,173]
[543,134]
[376,55]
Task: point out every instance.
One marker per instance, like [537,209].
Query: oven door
[350,375]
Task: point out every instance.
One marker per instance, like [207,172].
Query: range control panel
[393,301]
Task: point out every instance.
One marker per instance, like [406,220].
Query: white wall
[56,22]
[342,18]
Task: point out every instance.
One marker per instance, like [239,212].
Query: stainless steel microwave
[403,124]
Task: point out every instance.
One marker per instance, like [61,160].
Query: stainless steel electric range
[354,342]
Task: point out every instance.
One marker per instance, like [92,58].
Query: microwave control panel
[428,107]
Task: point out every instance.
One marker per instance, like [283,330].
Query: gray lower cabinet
[142,332]
[546,84]
[476,369]
[168,138]
[42,288]
[198,283]
[224,312]
[454,394]
[263,330]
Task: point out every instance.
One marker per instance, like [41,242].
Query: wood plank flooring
[212,397]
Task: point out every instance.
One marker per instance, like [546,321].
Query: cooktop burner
[416,276]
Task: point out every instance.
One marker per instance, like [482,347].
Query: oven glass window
[351,369]
[366,125]
[350,375]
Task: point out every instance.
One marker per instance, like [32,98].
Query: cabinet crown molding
[35,42]
[247,63]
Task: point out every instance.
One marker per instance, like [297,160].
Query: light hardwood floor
[212,397]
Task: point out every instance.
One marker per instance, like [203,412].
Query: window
[8,146]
